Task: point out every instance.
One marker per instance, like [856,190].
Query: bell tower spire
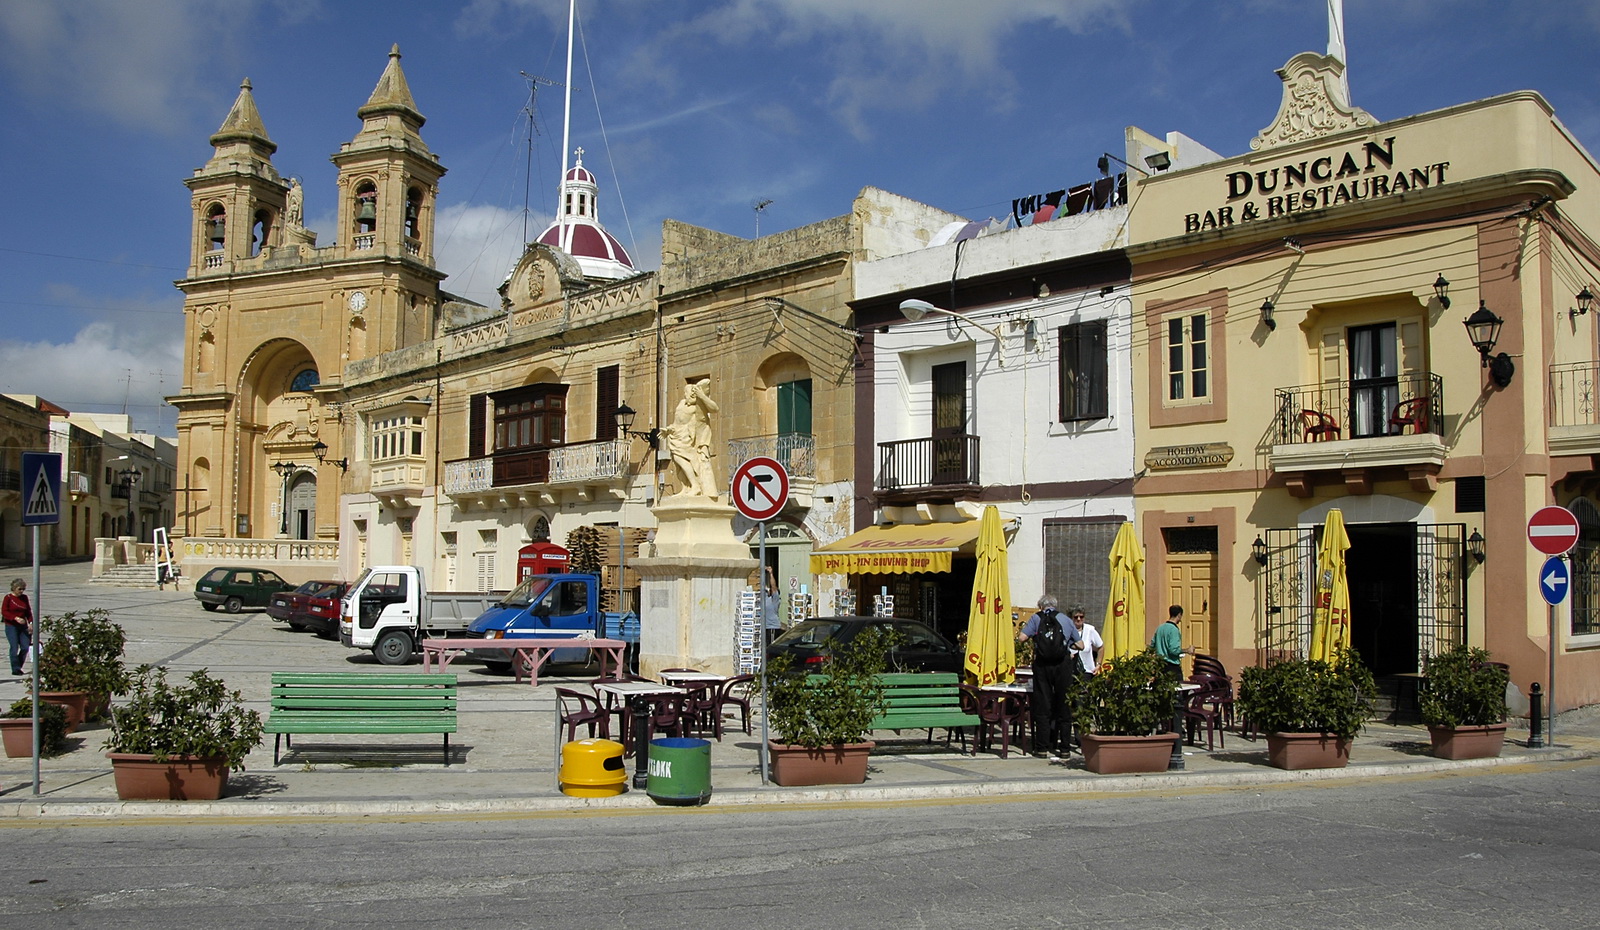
[238,196]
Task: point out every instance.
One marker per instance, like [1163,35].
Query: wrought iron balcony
[1355,427]
[944,466]
[578,465]
[1574,416]
[797,452]
[597,462]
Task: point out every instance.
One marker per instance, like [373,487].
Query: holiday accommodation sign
[1204,455]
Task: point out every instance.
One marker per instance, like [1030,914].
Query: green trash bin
[680,770]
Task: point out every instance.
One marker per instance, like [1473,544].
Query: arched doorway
[303,506]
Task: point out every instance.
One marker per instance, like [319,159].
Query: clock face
[358,301]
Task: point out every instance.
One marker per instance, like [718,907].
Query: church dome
[577,231]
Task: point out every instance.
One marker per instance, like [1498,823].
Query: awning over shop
[895,550]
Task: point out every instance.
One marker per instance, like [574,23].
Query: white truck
[389,610]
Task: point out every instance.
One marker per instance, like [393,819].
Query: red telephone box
[541,558]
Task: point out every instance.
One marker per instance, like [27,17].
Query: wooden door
[949,423]
[1192,583]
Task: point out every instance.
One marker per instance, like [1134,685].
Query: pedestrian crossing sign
[41,488]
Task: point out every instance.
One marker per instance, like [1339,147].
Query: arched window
[540,532]
[216,228]
[260,231]
[366,208]
[305,381]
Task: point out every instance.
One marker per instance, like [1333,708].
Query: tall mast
[1335,45]
[566,131]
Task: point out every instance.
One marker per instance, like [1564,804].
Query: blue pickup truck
[551,606]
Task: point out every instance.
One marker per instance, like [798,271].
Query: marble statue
[688,439]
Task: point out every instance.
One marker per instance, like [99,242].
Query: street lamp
[625,416]
[320,450]
[130,477]
[284,470]
[914,310]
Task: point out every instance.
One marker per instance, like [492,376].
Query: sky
[695,110]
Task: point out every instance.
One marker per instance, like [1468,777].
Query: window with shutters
[607,393]
[1075,563]
[1083,362]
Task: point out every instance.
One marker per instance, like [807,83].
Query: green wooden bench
[924,701]
[356,702]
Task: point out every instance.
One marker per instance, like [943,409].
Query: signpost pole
[34,647]
[761,634]
[1550,686]
[760,490]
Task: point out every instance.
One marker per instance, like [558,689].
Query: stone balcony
[578,472]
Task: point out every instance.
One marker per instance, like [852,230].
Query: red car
[312,606]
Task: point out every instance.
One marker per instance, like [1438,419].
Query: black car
[921,648]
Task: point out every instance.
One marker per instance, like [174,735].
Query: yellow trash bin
[593,768]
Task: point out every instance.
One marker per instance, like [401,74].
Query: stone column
[690,579]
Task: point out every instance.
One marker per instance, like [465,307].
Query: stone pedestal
[690,579]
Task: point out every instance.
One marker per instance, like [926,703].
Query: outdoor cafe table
[637,694]
[680,678]
[527,654]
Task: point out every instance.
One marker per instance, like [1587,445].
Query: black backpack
[1050,641]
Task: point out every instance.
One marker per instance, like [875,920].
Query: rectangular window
[1083,358]
[1075,564]
[395,437]
[532,417]
[794,407]
[607,394]
[1188,360]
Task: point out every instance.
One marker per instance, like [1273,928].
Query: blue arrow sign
[1554,580]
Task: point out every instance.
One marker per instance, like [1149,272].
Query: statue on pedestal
[688,439]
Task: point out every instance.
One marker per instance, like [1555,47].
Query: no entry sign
[760,488]
[1553,530]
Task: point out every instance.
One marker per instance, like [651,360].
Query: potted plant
[1120,710]
[1311,710]
[1464,704]
[821,721]
[16,726]
[84,654]
[179,742]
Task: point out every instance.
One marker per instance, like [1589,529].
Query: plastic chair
[1200,710]
[588,713]
[991,716]
[726,696]
[699,708]
[1317,426]
[1413,413]
[668,714]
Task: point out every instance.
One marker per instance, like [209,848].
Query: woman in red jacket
[18,616]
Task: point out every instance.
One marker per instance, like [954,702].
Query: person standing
[1168,643]
[1054,665]
[1089,642]
[771,607]
[18,616]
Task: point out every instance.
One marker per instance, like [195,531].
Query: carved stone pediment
[541,276]
[1314,103]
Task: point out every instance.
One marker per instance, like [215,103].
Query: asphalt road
[1509,847]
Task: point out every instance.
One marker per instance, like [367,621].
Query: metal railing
[930,462]
[601,460]
[797,452]
[1572,388]
[1360,409]
[468,476]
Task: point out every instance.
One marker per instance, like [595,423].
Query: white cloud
[478,244]
[138,63]
[103,369]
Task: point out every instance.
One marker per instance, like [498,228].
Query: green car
[233,588]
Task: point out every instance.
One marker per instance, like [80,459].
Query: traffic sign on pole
[41,488]
[1554,580]
[760,488]
[1553,530]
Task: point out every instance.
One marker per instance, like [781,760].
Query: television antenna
[531,111]
[759,206]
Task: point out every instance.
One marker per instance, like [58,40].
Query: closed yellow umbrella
[1123,631]
[1330,619]
[991,640]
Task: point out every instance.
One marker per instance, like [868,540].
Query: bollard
[641,743]
[1535,716]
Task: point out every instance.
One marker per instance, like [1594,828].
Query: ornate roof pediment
[1314,103]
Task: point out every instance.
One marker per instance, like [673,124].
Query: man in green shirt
[1168,642]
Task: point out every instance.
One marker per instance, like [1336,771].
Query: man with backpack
[1054,674]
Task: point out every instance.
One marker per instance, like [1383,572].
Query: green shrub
[835,705]
[83,652]
[202,718]
[1464,689]
[1129,696]
[52,724]
[1309,696]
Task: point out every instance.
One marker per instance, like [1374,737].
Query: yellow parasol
[991,640]
[1124,627]
[1330,619]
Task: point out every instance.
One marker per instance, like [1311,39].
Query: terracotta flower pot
[839,764]
[1483,742]
[76,704]
[18,734]
[181,778]
[1126,755]
[1295,751]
